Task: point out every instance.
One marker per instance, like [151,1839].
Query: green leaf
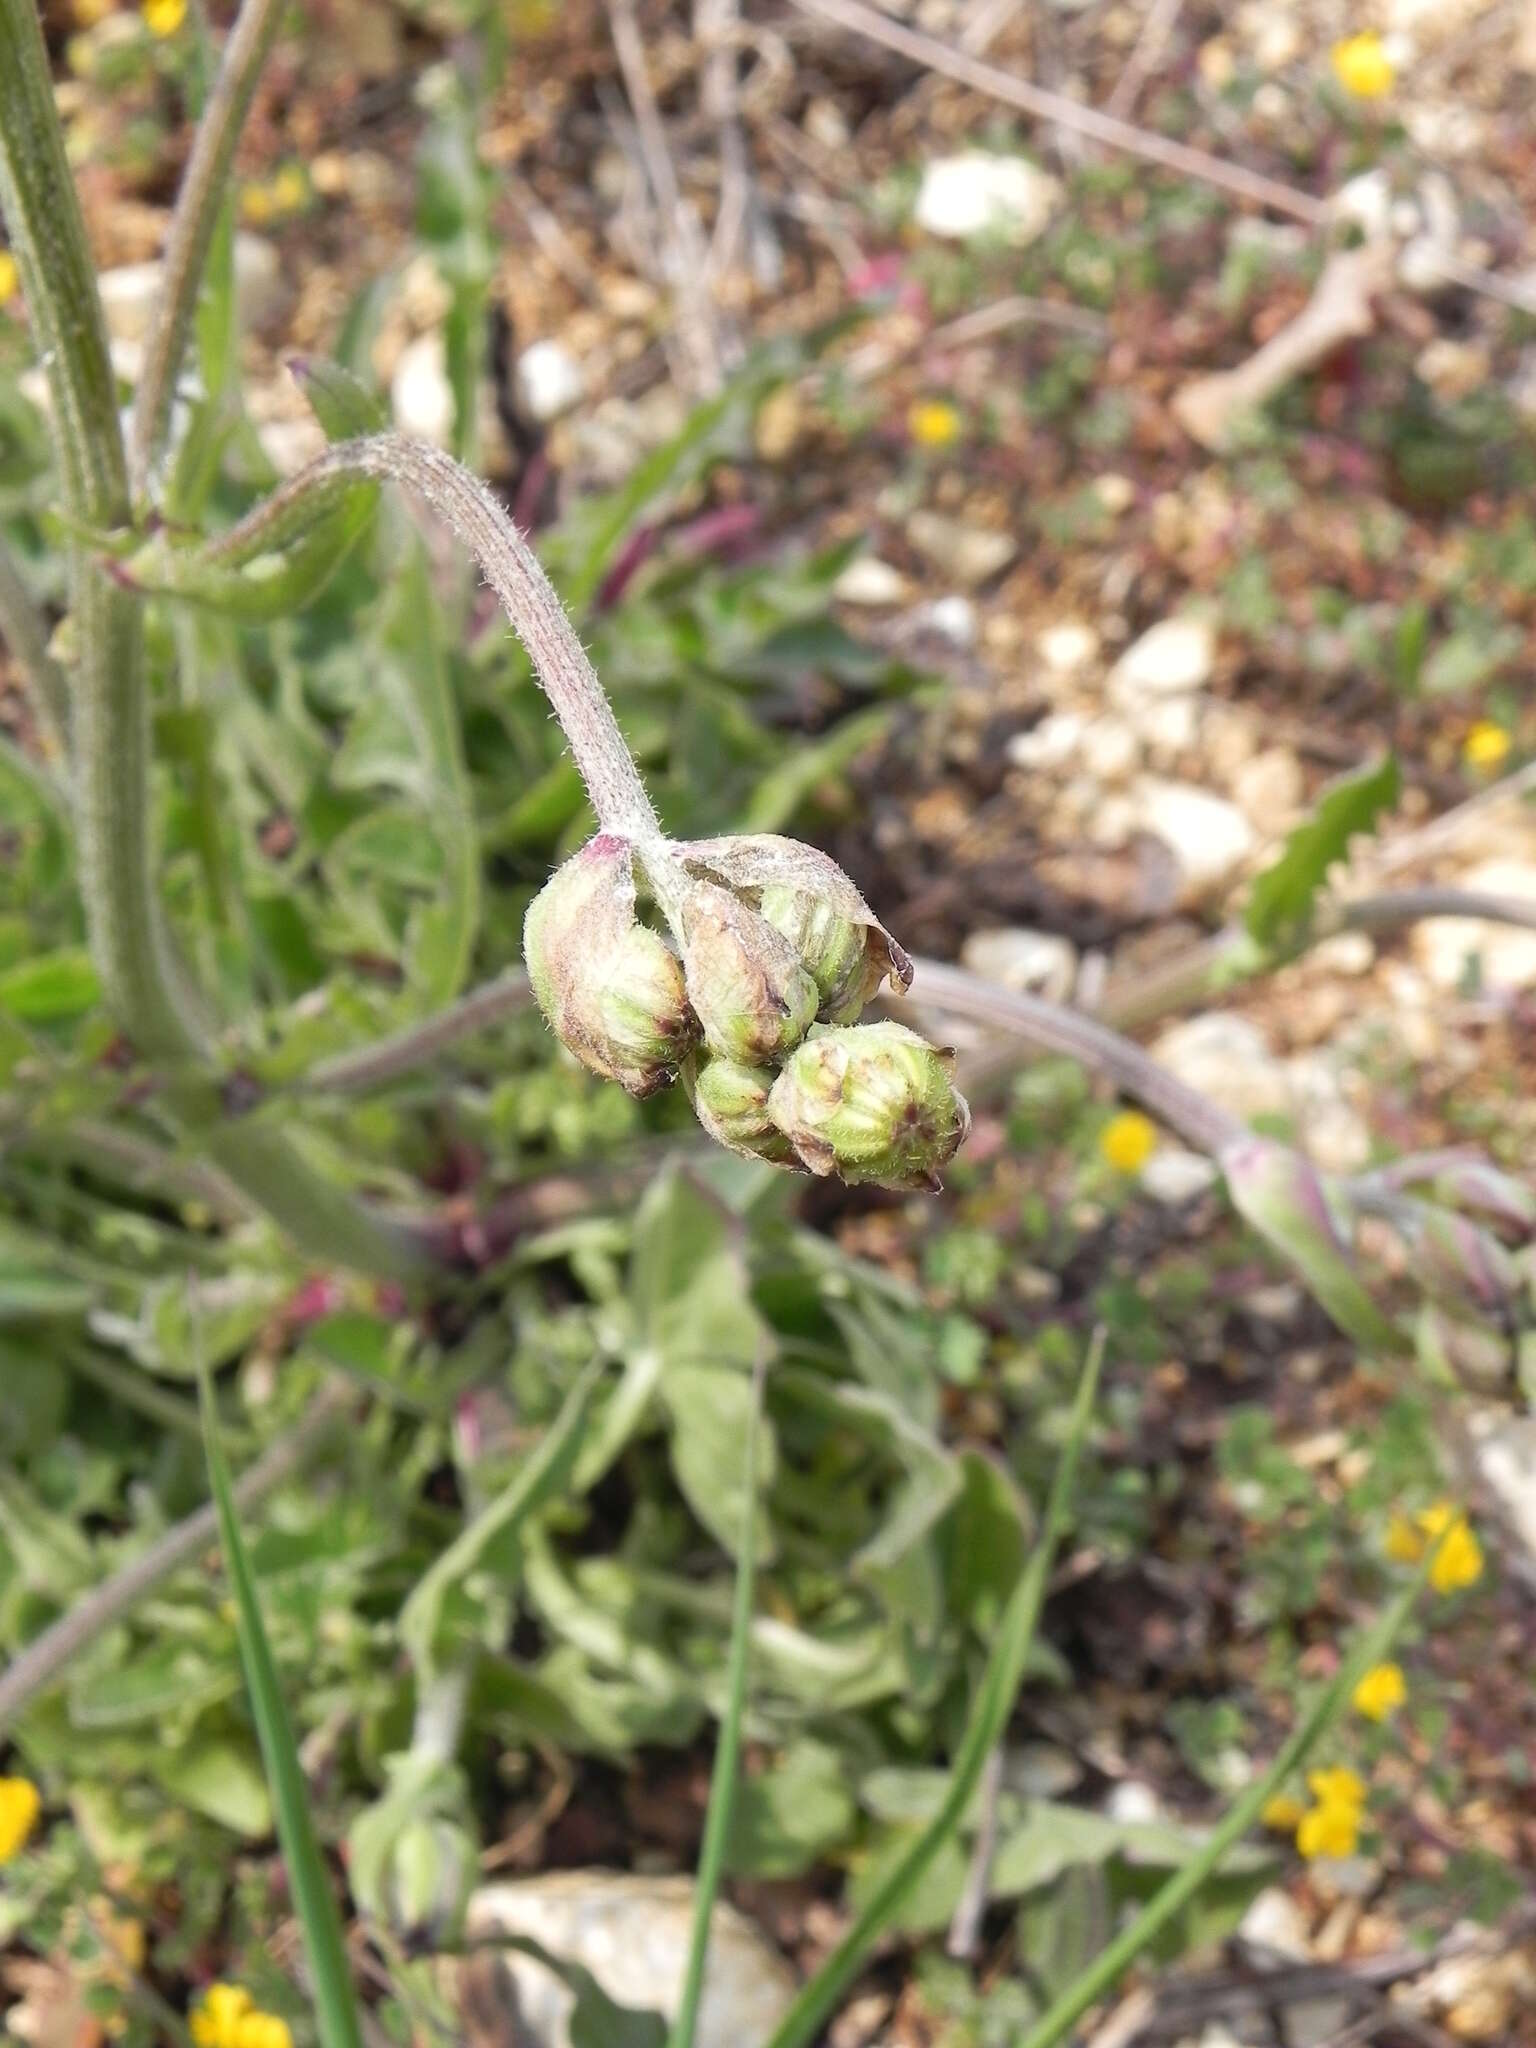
[51,988]
[792,1813]
[1281,899]
[222,1780]
[336,2018]
[491,1542]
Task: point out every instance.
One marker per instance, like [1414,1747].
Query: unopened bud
[1285,1200]
[804,894]
[744,979]
[731,1102]
[871,1103]
[611,989]
[1465,1354]
[834,950]
[428,1876]
[1461,1263]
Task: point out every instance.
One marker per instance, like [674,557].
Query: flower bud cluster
[754,1004]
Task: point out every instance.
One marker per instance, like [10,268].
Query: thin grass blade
[336,2016]
[722,1784]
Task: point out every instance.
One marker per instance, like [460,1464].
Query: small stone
[953,618]
[1051,743]
[420,395]
[1347,953]
[1173,1177]
[1068,646]
[632,1932]
[129,293]
[1208,836]
[1171,659]
[1451,950]
[1133,1803]
[1453,369]
[869,581]
[1229,1059]
[1117,494]
[1270,788]
[1043,963]
[1506,1459]
[1168,727]
[549,380]
[1229,736]
[1110,750]
[970,554]
[978,193]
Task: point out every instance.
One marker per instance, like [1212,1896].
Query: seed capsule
[730,1100]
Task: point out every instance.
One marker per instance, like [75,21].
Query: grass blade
[1106,1969]
[722,1784]
[335,2005]
[989,1717]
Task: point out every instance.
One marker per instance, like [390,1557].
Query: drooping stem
[527,597]
[203,187]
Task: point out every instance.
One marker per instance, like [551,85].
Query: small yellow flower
[1380,1693]
[1486,745]
[19,1806]
[1283,1813]
[262,2030]
[256,205]
[1128,1141]
[217,2019]
[1362,66]
[1337,1786]
[1459,1560]
[933,423]
[10,276]
[163,17]
[290,189]
[1329,1830]
[1404,1544]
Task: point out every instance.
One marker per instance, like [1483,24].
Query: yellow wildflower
[163,17]
[1380,1692]
[1404,1544]
[1337,1786]
[933,423]
[1128,1141]
[1329,1830]
[256,205]
[1282,1812]
[1362,66]
[19,1805]
[290,189]
[1459,1560]
[1486,745]
[216,2020]
[10,276]
[262,2030]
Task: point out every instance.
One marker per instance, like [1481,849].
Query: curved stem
[203,187]
[527,597]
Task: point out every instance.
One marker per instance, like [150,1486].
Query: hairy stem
[203,187]
[141,979]
[527,597]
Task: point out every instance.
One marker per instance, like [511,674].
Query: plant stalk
[25,633]
[203,188]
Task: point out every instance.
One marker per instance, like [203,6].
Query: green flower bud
[805,895]
[429,1873]
[871,1102]
[752,996]
[611,990]
[834,950]
[731,1102]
